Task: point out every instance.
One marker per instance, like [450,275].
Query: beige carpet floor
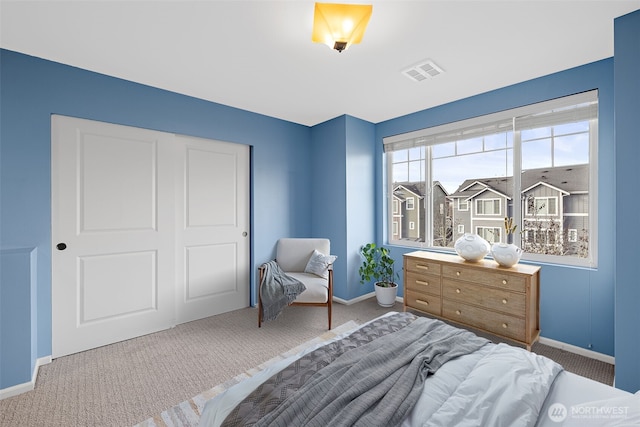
[125,383]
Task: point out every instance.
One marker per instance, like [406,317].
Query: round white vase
[386,296]
[506,254]
[472,247]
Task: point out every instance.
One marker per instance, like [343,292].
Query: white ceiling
[258,55]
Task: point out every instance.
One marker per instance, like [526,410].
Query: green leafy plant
[378,265]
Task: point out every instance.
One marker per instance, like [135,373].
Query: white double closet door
[149,230]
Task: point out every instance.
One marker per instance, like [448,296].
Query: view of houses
[553,202]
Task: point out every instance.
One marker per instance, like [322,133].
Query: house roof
[410,187]
[569,179]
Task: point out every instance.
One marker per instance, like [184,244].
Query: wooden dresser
[482,295]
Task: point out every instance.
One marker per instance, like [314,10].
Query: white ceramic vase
[506,254]
[386,296]
[472,247]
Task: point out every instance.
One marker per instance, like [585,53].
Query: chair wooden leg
[330,296]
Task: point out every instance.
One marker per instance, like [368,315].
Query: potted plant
[378,265]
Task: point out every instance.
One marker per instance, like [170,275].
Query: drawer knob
[504,325]
[457,273]
[504,301]
[504,281]
[419,301]
[458,312]
[422,282]
[457,291]
[422,266]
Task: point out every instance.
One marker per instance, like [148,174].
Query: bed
[401,369]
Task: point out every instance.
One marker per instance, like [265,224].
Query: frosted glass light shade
[340,25]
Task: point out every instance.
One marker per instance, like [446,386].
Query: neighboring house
[554,203]
[408,213]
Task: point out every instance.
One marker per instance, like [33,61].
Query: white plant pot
[386,296]
[507,255]
[472,247]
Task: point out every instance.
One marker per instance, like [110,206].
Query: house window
[412,225]
[573,235]
[396,210]
[543,206]
[490,234]
[410,203]
[548,146]
[488,207]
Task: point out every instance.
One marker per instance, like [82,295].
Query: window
[488,207]
[410,203]
[490,234]
[396,210]
[543,206]
[535,163]
[573,235]
[412,225]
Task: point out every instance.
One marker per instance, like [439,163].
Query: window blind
[569,109]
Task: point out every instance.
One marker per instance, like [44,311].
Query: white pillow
[319,264]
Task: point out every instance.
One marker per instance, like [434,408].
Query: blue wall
[627,107]
[296,169]
[17,307]
[576,304]
[33,89]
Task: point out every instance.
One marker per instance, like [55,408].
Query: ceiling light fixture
[340,25]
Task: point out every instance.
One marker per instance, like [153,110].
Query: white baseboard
[17,389]
[355,300]
[578,350]
[361,298]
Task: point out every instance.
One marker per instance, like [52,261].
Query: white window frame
[480,231]
[460,228]
[547,198]
[478,201]
[572,235]
[534,116]
[411,203]
[466,204]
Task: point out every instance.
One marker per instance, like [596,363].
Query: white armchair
[292,256]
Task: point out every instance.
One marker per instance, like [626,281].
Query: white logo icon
[557,412]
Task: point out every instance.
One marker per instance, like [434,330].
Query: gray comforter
[376,383]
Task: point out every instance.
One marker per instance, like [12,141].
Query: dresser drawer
[423,283]
[494,299]
[424,302]
[422,266]
[498,323]
[485,277]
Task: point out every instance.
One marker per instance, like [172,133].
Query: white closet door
[112,223]
[212,243]
[148,230]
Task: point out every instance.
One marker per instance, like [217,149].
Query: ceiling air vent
[423,71]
